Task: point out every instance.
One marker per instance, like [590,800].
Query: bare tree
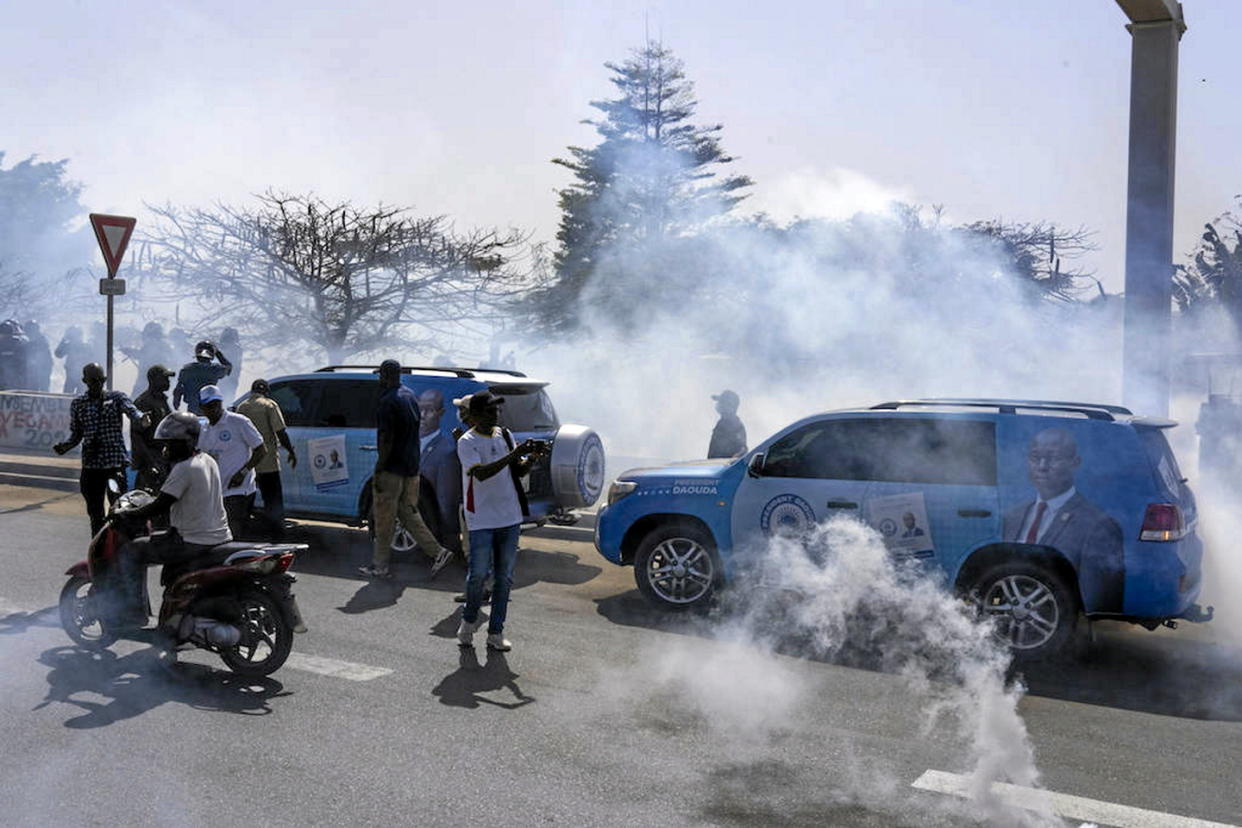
[348,280]
[1037,251]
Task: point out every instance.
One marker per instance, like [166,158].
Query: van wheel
[676,567]
[1035,611]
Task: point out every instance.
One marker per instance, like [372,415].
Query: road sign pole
[109,342]
[112,233]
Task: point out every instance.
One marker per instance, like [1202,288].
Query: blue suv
[1044,512]
[330,416]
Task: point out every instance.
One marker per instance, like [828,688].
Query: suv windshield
[526,408]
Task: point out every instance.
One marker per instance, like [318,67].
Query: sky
[1013,110]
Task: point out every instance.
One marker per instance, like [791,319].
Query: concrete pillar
[1149,216]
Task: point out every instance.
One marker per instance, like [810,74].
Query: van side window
[296,399]
[953,452]
[348,404]
[823,450]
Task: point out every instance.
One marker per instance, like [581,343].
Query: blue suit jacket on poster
[1091,540]
[441,469]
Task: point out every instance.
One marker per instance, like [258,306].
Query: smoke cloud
[838,595]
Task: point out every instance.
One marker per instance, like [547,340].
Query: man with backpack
[495,504]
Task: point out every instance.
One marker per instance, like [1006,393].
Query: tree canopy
[39,243]
[653,178]
[334,277]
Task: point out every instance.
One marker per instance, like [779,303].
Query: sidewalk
[39,469]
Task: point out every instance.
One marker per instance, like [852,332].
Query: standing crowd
[206,464]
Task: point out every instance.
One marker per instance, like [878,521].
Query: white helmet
[179,425]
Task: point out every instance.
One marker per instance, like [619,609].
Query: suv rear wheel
[1036,612]
[676,567]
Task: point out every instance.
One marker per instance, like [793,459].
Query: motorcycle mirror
[114,486]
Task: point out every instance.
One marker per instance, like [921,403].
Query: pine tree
[649,181]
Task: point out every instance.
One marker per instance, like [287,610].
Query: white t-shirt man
[198,513]
[492,503]
[230,442]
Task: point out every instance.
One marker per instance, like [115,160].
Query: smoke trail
[838,595]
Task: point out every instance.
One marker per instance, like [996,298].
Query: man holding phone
[492,468]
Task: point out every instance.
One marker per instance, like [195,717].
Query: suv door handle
[842,504]
[369,448]
[974,513]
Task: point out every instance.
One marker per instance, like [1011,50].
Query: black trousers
[237,510]
[93,483]
[273,501]
[167,548]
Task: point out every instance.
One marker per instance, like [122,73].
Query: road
[604,713]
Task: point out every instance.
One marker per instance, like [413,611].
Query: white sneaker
[442,558]
[499,643]
[465,633]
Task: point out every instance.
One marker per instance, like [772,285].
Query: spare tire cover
[577,467]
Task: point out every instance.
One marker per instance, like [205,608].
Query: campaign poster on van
[329,465]
[902,521]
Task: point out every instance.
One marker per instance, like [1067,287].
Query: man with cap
[267,417]
[492,468]
[38,358]
[237,447]
[394,485]
[729,435]
[149,460]
[199,373]
[95,422]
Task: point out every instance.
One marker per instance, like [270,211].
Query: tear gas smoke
[837,594]
[811,316]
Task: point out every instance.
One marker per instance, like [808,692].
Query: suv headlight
[619,489]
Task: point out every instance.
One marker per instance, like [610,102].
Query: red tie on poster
[1033,532]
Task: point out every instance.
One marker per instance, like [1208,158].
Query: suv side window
[823,450]
[348,403]
[953,452]
[296,399]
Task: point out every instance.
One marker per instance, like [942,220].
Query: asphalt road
[605,712]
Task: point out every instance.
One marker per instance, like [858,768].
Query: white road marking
[1063,805]
[336,669]
[297,661]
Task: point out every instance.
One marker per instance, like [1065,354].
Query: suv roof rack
[464,373]
[1091,411]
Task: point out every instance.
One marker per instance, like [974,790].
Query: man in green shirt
[267,417]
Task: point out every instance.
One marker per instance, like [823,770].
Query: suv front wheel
[1035,610]
[676,567]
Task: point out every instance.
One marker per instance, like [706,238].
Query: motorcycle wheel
[266,637]
[78,615]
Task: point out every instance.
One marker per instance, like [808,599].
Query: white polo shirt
[492,503]
[230,442]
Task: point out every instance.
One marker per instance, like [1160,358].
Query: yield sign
[112,233]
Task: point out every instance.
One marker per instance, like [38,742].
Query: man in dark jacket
[394,486]
[729,435]
[149,461]
[201,372]
[13,351]
[38,358]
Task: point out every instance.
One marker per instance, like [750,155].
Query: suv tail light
[1163,522]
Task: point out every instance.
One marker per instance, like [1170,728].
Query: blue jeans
[491,551]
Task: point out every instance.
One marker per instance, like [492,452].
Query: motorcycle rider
[191,496]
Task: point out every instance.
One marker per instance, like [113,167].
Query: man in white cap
[237,447]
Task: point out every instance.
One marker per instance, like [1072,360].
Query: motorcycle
[235,600]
